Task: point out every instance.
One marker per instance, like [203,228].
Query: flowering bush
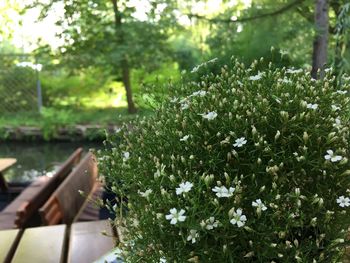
[244,166]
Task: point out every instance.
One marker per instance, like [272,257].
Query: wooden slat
[41,244]
[6,163]
[87,243]
[40,196]
[51,213]
[90,211]
[7,220]
[70,201]
[7,243]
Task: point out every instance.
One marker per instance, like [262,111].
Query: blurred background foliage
[101,51]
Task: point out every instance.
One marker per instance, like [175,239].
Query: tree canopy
[121,36]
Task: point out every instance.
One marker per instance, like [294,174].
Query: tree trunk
[319,55]
[124,62]
[127,85]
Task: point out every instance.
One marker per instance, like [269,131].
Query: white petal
[240,224]
[182,218]
[178,191]
[173,211]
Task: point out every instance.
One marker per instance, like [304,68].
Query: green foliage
[53,119]
[341,61]
[93,38]
[244,41]
[17,88]
[242,166]
[60,88]
[185,51]
[151,87]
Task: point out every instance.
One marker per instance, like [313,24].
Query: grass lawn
[69,116]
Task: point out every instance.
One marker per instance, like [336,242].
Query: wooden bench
[23,211]
[8,242]
[82,242]
[41,244]
[66,202]
[86,242]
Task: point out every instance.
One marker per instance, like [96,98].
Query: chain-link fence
[19,83]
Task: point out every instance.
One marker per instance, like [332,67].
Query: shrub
[244,166]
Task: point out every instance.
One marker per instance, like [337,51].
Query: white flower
[126,156]
[184,106]
[337,123]
[334,158]
[195,69]
[160,172]
[192,236]
[157,174]
[335,108]
[173,100]
[184,188]
[342,92]
[210,115]
[200,93]
[282,52]
[175,216]
[343,201]
[213,60]
[185,138]
[260,205]
[210,223]
[312,106]
[256,77]
[162,260]
[240,142]
[146,193]
[285,80]
[294,71]
[222,191]
[238,218]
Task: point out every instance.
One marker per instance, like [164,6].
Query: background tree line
[137,41]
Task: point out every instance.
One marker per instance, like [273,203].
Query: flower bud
[278,134]
[305,137]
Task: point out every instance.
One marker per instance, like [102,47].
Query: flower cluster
[248,165]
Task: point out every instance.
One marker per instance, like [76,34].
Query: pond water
[36,158]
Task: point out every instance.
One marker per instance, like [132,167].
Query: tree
[329,18]
[249,32]
[124,60]
[320,45]
[109,34]
[9,19]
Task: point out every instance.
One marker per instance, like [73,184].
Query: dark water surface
[36,158]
